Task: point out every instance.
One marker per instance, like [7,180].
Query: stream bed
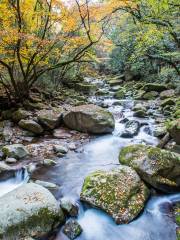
[155,222]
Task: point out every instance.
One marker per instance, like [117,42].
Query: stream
[156,221]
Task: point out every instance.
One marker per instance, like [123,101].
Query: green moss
[43,222]
[128,153]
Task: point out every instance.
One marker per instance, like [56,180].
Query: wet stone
[68,207]
[72,229]
[131,129]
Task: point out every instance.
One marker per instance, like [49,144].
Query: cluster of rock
[85,118]
[121,192]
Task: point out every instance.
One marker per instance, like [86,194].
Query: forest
[90,119]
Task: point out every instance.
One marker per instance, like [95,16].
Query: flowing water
[20,177]
[155,223]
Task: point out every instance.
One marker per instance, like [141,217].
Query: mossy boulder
[33,105]
[31,126]
[167,94]
[154,87]
[150,95]
[17,151]
[20,114]
[168,102]
[30,210]
[174,130]
[141,113]
[159,168]
[120,93]
[89,119]
[50,119]
[119,192]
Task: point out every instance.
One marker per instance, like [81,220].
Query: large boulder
[50,119]
[159,168]
[15,151]
[174,130]
[89,118]
[119,192]
[154,87]
[31,126]
[131,129]
[150,95]
[29,210]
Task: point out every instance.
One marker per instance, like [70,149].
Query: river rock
[159,130]
[60,149]
[140,113]
[90,118]
[150,95]
[69,208]
[159,168]
[131,129]
[31,126]
[168,102]
[4,167]
[167,94]
[6,130]
[174,130]
[50,119]
[47,185]
[119,192]
[11,160]
[17,151]
[20,114]
[72,229]
[49,162]
[29,210]
[154,87]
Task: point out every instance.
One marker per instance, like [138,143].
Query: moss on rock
[159,168]
[119,192]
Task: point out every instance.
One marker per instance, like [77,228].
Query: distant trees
[148,37]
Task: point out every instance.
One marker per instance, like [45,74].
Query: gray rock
[119,192]
[60,149]
[4,167]
[29,210]
[174,130]
[69,208]
[89,118]
[6,130]
[11,160]
[131,129]
[159,130]
[20,114]
[17,151]
[31,126]
[72,229]
[48,185]
[167,94]
[160,168]
[49,162]
[50,119]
